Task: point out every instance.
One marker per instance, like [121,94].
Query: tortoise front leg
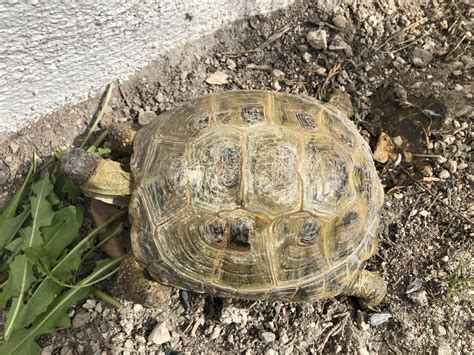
[369,287]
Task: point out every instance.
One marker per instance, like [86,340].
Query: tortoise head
[102,179]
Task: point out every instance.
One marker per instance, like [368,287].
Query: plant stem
[106,298]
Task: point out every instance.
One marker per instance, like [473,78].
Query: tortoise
[247,194]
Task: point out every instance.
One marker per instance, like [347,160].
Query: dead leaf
[385,149]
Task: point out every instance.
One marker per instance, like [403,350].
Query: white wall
[53,52]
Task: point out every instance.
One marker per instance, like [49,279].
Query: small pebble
[419,298]
[307,57]
[160,334]
[90,304]
[439,330]
[398,195]
[231,64]
[217,78]
[137,308]
[421,57]
[444,174]
[445,259]
[317,39]
[268,337]
[452,166]
[277,73]
[339,21]
[424,213]
[302,48]
[376,319]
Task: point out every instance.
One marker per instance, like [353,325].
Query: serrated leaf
[22,341]
[10,227]
[20,278]
[39,301]
[62,231]
[21,272]
[41,212]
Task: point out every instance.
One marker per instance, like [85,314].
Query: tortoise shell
[256,195]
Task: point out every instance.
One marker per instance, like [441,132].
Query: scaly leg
[368,287]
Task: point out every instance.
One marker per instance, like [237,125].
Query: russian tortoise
[248,194]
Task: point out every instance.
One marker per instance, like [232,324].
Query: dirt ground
[425,233]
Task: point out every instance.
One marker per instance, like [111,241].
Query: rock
[47,350]
[128,344]
[276,85]
[302,48]
[419,298]
[439,330]
[146,117]
[317,39]
[217,78]
[321,71]
[231,64]
[452,166]
[271,352]
[399,63]
[338,44]
[216,332]
[363,351]
[421,57]
[414,286]
[307,57]
[80,319]
[458,87]
[424,213]
[90,304]
[137,308]
[160,98]
[376,319]
[160,334]
[444,174]
[277,73]
[268,337]
[339,21]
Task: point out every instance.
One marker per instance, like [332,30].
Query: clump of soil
[425,233]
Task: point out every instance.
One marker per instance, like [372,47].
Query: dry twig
[457,213]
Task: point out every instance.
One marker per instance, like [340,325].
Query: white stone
[160,334]
[317,39]
[217,78]
[444,174]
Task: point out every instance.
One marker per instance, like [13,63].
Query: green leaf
[10,210]
[41,212]
[62,231]
[10,227]
[39,301]
[20,278]
[71,190]
[22,341]
[15,246]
